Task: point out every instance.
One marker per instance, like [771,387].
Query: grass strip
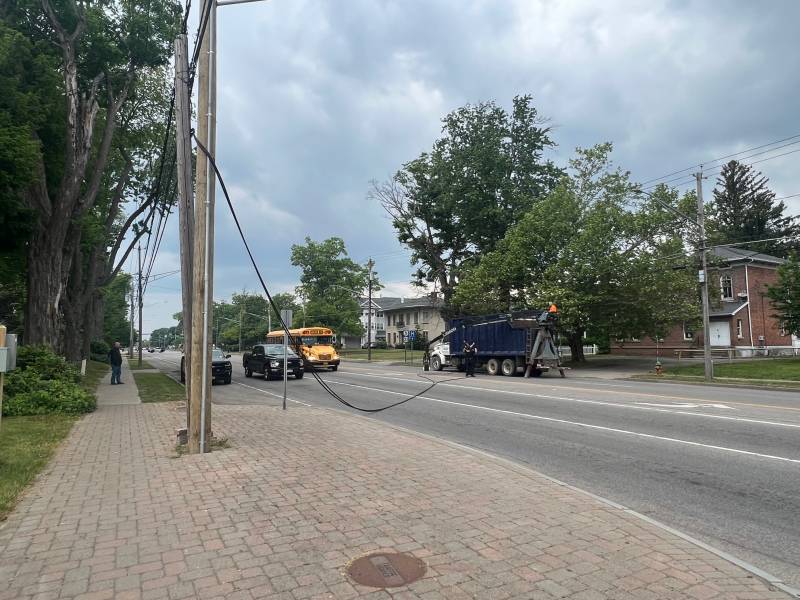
[95,371]
[26,444]
[133,365]
[392,354]
[784,369]
[157,387]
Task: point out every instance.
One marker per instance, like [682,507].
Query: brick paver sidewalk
[300,494]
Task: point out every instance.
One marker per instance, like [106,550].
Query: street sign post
[286,317]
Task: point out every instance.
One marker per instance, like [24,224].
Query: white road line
[579,424]
[593,382]
[595,402]
[270,393]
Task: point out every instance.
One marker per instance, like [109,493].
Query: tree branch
[105,146]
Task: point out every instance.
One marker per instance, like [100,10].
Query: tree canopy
[331,284]
[604,258]
[785,294]
[453,204]
[744,209]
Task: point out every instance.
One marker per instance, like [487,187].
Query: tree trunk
[575,340]
[46,287]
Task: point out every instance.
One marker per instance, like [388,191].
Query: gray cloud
[319,97]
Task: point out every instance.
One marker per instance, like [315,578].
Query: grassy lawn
[381,354]
[787,369]
[157,387]
[26,444]
[133,365]
[95,371]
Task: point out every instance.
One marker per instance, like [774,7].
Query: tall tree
[744,209]
[116,318]
[100,49]
[604,262]
[453,204]
[785,294]
[331,284]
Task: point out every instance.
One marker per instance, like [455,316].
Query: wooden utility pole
[183,115]
[202,288]
[708,364]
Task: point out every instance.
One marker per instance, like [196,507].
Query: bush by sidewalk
[45,384]
[49,393]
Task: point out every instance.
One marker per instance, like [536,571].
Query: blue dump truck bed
[493,335]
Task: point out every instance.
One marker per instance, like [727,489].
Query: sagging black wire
[309,366]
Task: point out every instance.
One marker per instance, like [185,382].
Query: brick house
[741,315]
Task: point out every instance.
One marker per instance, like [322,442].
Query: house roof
[393,303]
[734,255]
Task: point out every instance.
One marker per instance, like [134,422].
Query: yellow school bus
[315,344]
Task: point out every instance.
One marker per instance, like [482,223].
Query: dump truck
[508,343]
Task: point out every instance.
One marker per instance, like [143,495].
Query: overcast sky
[318,97]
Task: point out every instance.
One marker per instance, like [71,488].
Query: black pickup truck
[267,359]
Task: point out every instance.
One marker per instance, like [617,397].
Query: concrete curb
[526,471]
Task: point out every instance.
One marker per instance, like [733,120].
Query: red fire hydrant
[659,369]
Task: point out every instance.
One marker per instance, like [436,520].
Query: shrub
[46,364]
[44,383]
[46,397]
[98,350]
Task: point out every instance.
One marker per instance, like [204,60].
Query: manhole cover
[382,570]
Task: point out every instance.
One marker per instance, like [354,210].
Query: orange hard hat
[553,308]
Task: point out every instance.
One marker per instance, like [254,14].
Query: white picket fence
[565,351]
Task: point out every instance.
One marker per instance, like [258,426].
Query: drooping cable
[324,384]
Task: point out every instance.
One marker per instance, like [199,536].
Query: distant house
[378,323]
[423,315]
[741,315]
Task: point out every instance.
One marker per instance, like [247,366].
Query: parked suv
[221,367]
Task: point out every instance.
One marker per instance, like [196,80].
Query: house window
[380,314]
[416,318]
[739,328]
[688,332]
[784,331]
[426,315]
[726,287]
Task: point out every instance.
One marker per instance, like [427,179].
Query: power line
[683,180]
[699,165]
[285,328]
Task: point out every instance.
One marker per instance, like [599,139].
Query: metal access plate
[382,570]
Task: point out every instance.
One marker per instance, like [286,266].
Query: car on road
[267,359]
[221,368]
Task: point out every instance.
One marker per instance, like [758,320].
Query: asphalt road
[721,464]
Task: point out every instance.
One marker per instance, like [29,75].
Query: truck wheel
[335,368]
[248,372]
[493,366]
[436,363]
[509,367]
